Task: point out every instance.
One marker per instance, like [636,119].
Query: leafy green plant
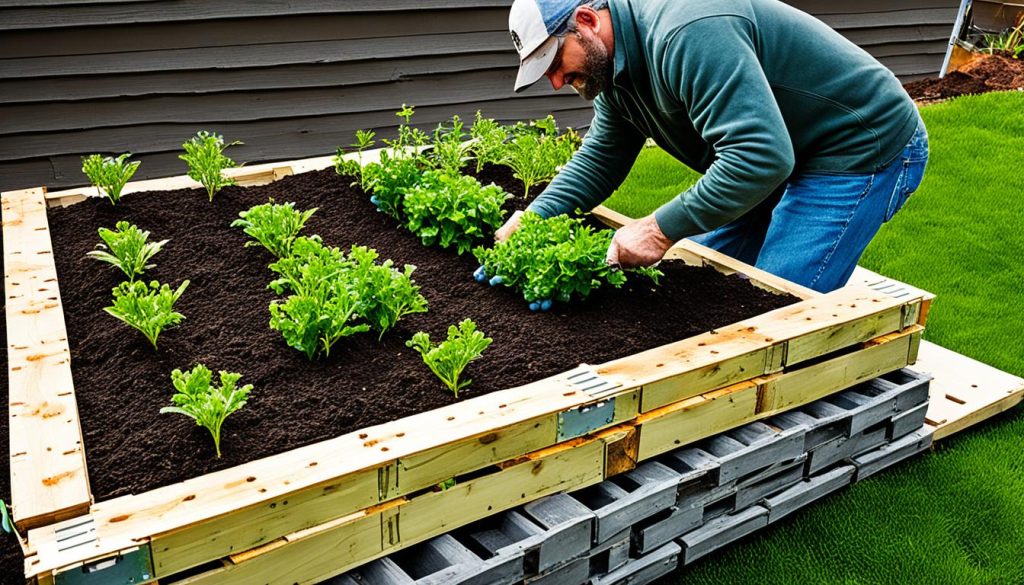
[1010,42]
[208,405]
[397,169]
[449,149]
[310,323]
[129,249]
[109,174]
[149,309]
[450,357]
[553,259]
[488,146]
[381,293]
[453,211]
[204,154]
[386,294]
[537,152]
[325,301]
[274,225]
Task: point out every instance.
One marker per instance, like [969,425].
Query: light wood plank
[49,481]
[700,363]
[964,391]
[313,555]
[804,385]
[673,426]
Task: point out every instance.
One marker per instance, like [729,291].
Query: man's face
[583,63]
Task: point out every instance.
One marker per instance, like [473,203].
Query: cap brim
[532,68]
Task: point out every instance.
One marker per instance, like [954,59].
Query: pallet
[277,517]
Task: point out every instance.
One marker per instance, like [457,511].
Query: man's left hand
[641,243]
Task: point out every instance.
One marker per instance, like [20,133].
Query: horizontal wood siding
[296,78]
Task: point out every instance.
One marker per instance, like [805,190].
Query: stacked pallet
[682,505]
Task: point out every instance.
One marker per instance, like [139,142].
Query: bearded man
[806,143]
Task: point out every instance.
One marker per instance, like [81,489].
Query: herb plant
[204,154]
[553,259]
[274,225]
[128,247]
[450,357]
[109,174]
[488,146]
[380,293]
[453,211]
[537,152]
[354,167]
[449,149]
[149,309]
[208,405]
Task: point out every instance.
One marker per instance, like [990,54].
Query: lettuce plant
[109,174]
[323,306]
[449,358]
[149,309]
[386,294]
[129,250]
[204,154]
[377,293]
[453,211]
[310,323]
[553,259]
[274,225]
[208,405]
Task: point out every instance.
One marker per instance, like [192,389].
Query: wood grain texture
[49,481]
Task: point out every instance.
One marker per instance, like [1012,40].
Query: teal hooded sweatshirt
[747,92]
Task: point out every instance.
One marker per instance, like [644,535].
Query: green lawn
[955,515]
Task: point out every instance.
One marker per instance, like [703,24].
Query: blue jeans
[814,228]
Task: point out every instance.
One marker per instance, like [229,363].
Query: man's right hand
[510,226]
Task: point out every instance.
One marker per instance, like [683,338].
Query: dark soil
[121,382]
[984,74]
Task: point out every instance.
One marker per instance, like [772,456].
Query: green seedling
[274,225]
[128,248]
[204,154]
[149,309]
[108,174]
[450,357]
[208,405]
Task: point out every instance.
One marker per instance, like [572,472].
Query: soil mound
[981,75]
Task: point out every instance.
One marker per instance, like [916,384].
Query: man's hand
[641,243]
[510,226]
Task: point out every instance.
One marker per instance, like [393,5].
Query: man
[806,142]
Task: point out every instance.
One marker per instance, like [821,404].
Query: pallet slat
[49,482]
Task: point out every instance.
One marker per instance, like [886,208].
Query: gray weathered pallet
[680,506]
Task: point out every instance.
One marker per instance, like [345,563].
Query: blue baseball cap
[533,25]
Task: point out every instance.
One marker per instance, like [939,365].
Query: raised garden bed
[342,501]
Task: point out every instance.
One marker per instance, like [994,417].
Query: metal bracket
[130,567]
[584,419]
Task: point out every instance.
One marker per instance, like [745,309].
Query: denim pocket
[908,182]
[915,158]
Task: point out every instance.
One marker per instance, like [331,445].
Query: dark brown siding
[296,78]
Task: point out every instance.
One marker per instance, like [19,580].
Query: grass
[955,515]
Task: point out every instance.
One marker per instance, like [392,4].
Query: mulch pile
[121,382]
[984,74]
